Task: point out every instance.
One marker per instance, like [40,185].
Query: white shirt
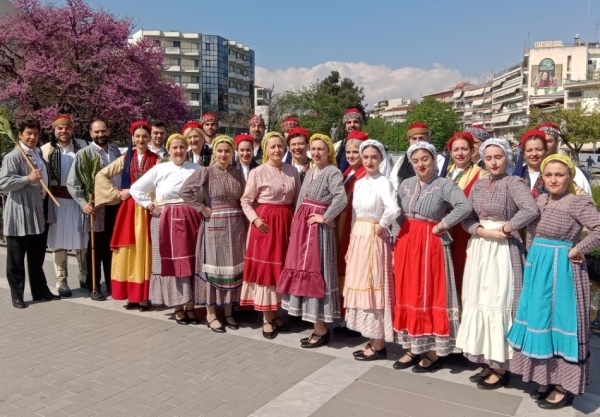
[35,156]
[107,159]
[394,174]
[533,176]
[455,172]
[375,199]
[161,152]
[582,181]
[67,157]
[245,170]
[165,179]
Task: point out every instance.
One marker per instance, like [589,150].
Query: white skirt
[487,297]
[63,234]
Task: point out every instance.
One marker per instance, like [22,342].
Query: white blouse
[165,180]
[375,199]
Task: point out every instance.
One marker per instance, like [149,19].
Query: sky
[392,48]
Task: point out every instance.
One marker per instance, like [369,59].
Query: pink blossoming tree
[78,60]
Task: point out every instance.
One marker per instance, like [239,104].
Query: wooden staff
[92,223]
[32,167]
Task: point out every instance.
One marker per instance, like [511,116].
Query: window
[177,79]
[157,42]
[195,46]
[207,46]
[568,76]
[176,44]
[575,94]
[175,61]
[196,63]
[569,63]
[231,84]
[206,63]
[195,80]
[195,96]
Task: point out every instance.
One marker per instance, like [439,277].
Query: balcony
[246,62]
[190,51]
[173,50]
[194,103]
[233,58]
[192,86]
[174,68]
[190,68]
[232,90]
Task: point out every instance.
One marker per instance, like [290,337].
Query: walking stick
[93,245]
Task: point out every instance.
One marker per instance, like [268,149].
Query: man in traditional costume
[353,121]
[63,235]
[417,132]
[105,215]
[257,131]
[158,136]
[480,135]
[24,219]
[287,125]
[210,125]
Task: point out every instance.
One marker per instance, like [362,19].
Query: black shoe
[501,382]
[321,340]
[538,395]
[232,326]
[341,329]
[131,306]
[353,333]
[64,290]
[419,369]
[193,319]
[47,297]
[566,401]
[215,329]
[361,351]
[271,334]
[183,321]
[478,377]
[283,328]
[377,354]
[403,365]
[97,296]
[19,303]
[143,307]
[83,285]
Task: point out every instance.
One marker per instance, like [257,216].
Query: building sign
[546,77]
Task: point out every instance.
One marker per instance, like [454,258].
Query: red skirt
[302,275]
[420,278]
[265,253]
[178,236]
[459,254]
[125,224]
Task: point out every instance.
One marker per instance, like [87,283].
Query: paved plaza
[76,357]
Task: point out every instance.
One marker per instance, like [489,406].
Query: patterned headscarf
[175,136]
[327,140]
[217,141]
[501,143]
[375,143]
[422,145]
[209,117]
[353,113]
[565,160]
[550,129]
[263,144]
[479,132]
[62,119]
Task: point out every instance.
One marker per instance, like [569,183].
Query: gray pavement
[76,357]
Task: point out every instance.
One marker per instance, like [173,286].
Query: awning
[498,82]
[468,113]
[505,92]
[497,106]
[477,102]
[487,90]
[501,118]
[457,94]
[487,100]
[487,111]
[474,93]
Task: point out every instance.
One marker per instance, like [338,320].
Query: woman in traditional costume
[268,202]
[297,140]
[551,332]
[309,282]
[199,151]
[173,231]
[215,192]
[343,222]
[245,154]
[132,252]
[426,314]
[369,285]
[535,148]
[502,204]
[464,173]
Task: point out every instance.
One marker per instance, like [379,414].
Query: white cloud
[379,81]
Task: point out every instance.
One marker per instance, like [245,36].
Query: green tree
[441,118]
[393,135]
[323,103]
[578,126]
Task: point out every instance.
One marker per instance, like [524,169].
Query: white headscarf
[501,143]
[384,167]
[422,145]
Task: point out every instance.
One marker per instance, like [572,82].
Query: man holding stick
[23,171]
[105,216]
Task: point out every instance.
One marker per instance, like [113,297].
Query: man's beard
[101,140]
[63,139]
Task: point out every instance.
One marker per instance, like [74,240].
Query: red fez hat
[550,129]
[62,119]
[289,123]
[532,134]
[460,135]
[358,135]
[189,125]
[209,117]
[137,124]
[418,128]
[242,137]
[353,113]
[257,119]
[298,131]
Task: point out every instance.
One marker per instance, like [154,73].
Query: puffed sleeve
[190,191]
[249,197]
[340,200]
[146,183]
[104,190]
[10,177]
[388,196]
[521,195]
[461,207]
[586,214]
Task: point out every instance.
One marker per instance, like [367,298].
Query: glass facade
[215,95]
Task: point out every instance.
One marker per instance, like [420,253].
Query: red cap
[62,119]
[418,128]
[357,135]
[289,123]
[190,125]
[531,134]
[137,124]
[460,135]
[417,125]
[242,137]
[209,117]
[298,131]
[547,124]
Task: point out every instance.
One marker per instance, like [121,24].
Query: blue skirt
[546,321]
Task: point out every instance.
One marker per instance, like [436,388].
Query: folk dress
[221,242]
[369,286]
[557,298]
[426,314]
[309,281]
[494,270]
[271,193]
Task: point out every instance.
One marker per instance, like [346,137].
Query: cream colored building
[509,102]
[393,110]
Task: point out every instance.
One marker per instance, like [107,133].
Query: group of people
[485,263]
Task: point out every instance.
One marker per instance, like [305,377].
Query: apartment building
[218,73]
[476,103]
[393,110]
[262,98]
[509,102]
